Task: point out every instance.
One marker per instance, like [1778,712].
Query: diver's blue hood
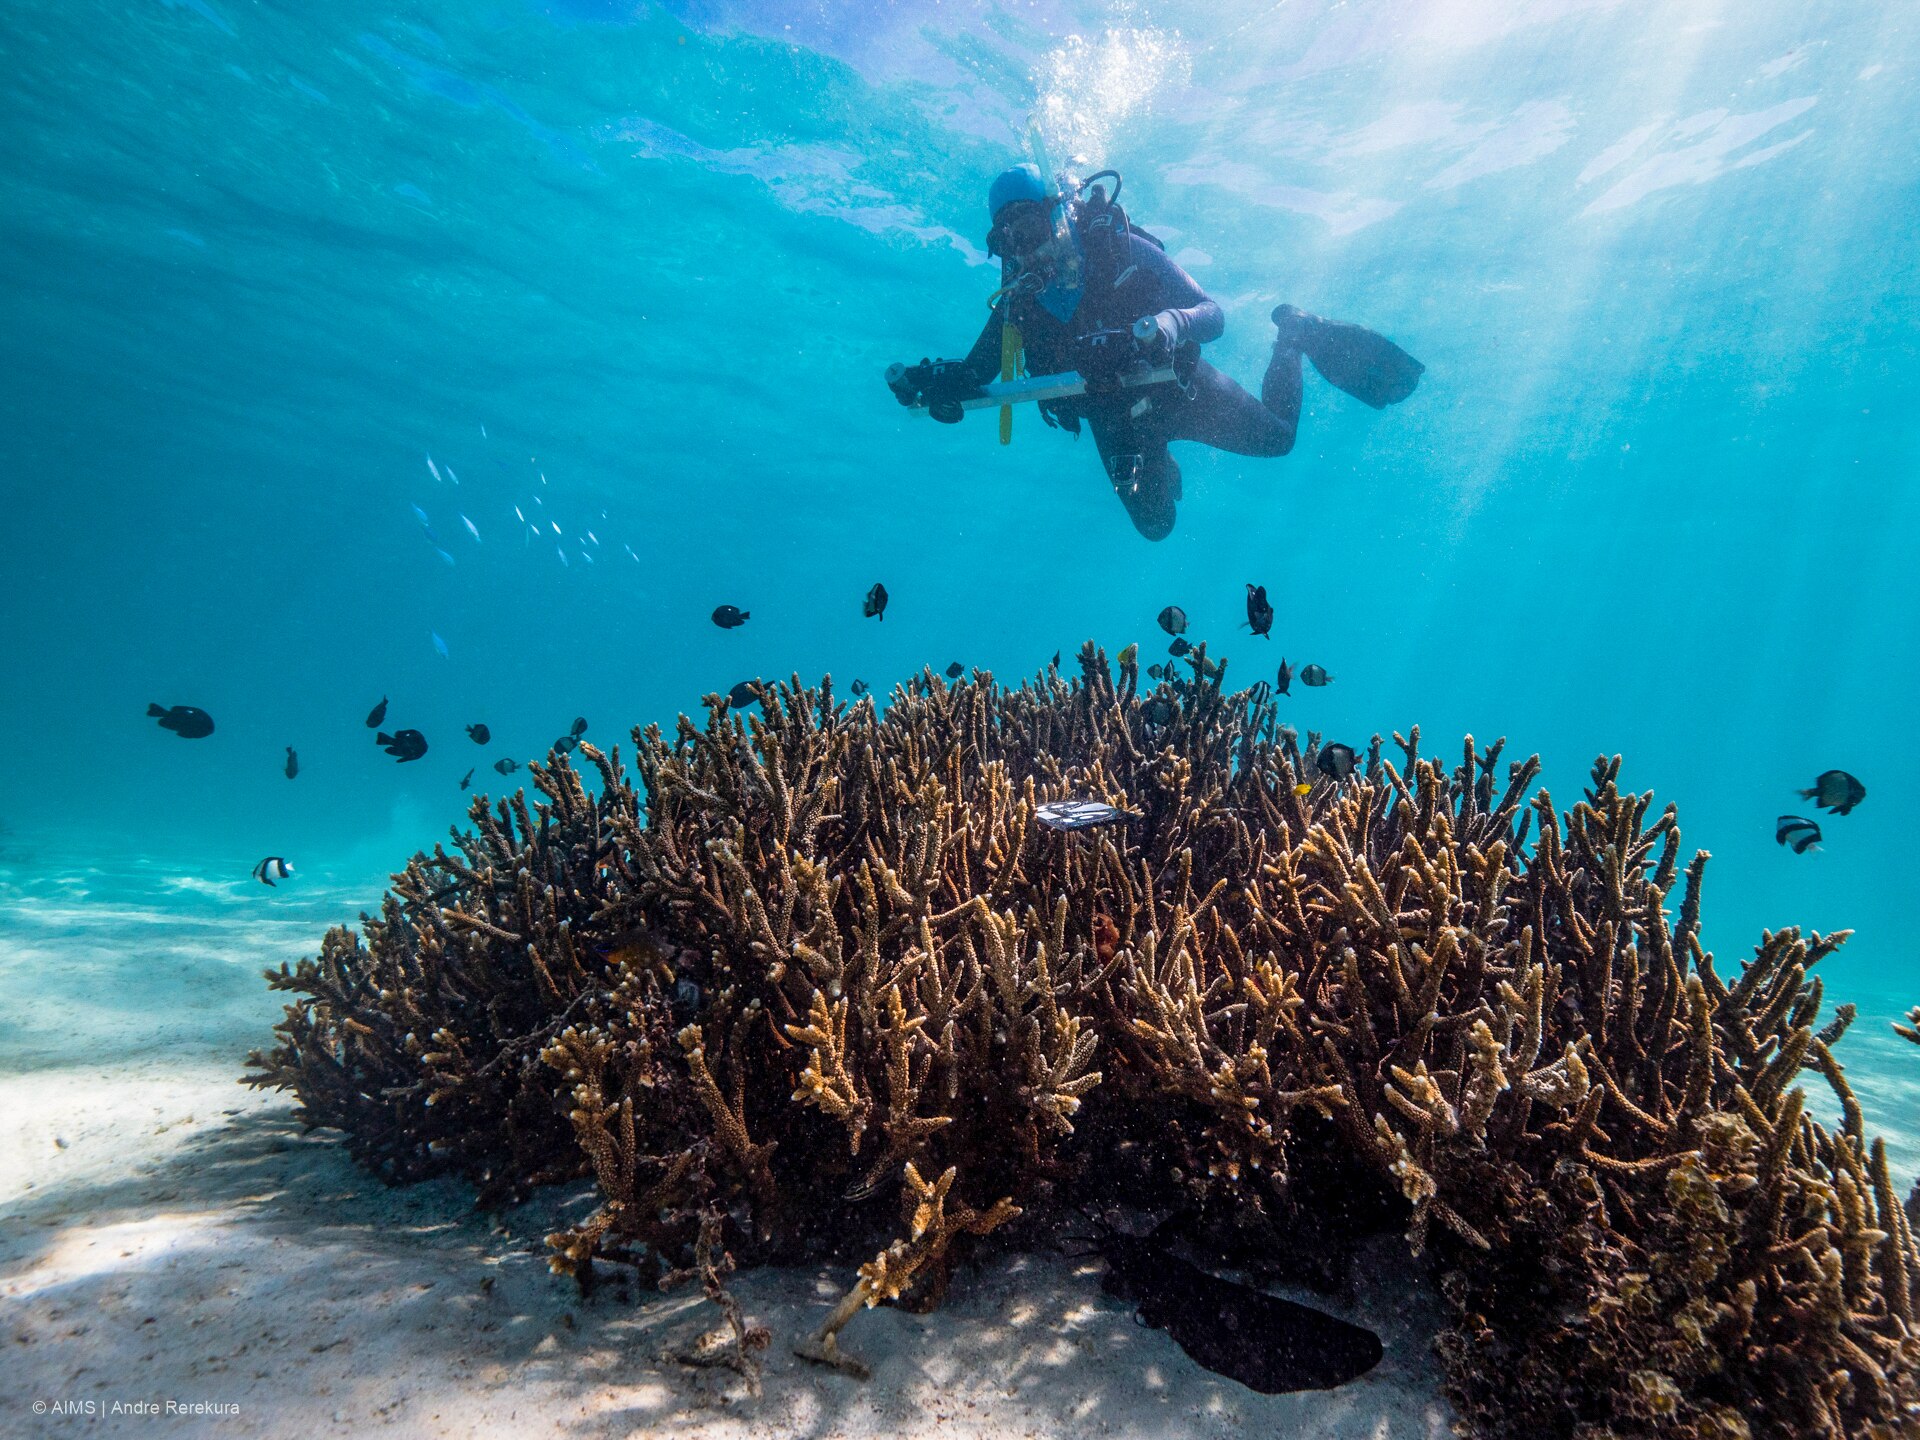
[1021,182]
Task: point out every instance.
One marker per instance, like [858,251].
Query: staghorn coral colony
[813,982]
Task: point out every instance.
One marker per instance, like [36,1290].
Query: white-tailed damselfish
[271,869]
[1797,831]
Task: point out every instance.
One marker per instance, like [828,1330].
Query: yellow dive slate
[1010,346]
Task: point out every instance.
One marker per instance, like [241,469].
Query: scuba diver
[1084,290]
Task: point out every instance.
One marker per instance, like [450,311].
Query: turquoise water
[261,260]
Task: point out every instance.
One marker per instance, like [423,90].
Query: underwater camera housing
[940,385]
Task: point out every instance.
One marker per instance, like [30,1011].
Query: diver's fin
[1368,366]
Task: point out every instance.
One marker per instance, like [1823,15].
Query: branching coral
[801,963]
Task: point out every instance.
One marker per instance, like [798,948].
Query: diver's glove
[940,385]
[1158,336]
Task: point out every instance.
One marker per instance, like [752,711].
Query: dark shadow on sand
[468,1293]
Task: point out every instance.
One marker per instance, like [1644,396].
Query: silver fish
[1081,814]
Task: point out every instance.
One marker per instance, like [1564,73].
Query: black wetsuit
[1133,447]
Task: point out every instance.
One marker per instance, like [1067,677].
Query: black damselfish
[479,734]
[377,716]
[1259,612]
[874,607]
[745,693]
[293,763]
[956,670]
[1837,791]
[1282,685]
[1335,761]
[189,722]
[731,617]
[403,745]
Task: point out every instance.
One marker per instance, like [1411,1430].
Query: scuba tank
[1104,223]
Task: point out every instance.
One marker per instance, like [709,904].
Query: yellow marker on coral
[1010,347]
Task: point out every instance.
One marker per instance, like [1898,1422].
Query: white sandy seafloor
[169,1239]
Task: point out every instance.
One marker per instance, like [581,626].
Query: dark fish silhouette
[565,744]
[1080,814]
[1282,686]
[1268,1344]
[731,617]
[687,996]
[377,716]
[1056,659]
[1173,620]
[1836,791]
[466,779]
[189,722]
[956,670]
[1259,612]
[271,869]
[506,767]
[874,607]
[403,745]
[479,734]
[859,687]
[579,726]
[1156,672]
[1179,646]
[1335,761]
[293,763]
[1314,675]
[746,692]
[1795,830]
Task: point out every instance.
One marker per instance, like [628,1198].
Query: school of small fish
[1835,791]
